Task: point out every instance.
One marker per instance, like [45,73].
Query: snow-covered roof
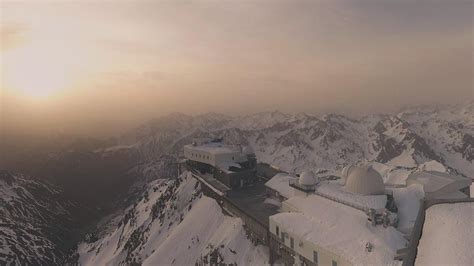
[447,237]
[364,180]
[437,184]
[340,229]
[214,148]
[280,183]
[337,191]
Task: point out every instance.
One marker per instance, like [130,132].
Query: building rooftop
[214,148]
[447,237]
[437,184]
[341,229]
[364,201]
[280,183]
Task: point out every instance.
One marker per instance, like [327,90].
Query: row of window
[200,156]
[292,245]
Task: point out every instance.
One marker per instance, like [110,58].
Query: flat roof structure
[280,182]
[448,235]
[340,230]
[438,184]
[214,148]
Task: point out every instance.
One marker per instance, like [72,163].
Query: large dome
[307,179]
[364,180]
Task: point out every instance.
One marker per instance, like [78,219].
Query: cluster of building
[348,221]
[352,221]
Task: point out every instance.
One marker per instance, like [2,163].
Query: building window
[315,257]
[292,243]
[277,230]
[334,263]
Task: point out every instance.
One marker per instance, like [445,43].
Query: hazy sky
[101,66]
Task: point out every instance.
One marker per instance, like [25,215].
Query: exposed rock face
[35,221]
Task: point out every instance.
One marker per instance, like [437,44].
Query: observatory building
[232,165]
[326,223]
[364,180]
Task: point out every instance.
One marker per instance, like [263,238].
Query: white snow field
[448,235]
[213,229]
[173,225]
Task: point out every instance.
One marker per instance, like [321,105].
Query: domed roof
[364,180]
[307,178]
[247,150]
[346,170]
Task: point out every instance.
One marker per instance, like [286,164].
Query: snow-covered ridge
[171,211]
[173,224]
[298,142]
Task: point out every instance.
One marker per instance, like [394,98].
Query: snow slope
[206,230]
[447,237]
[172,223]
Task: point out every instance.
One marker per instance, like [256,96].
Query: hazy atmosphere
[102,67]
[236,132]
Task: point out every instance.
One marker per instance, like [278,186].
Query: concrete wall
[199,156]
[305,248]
[236,157]
[259,231]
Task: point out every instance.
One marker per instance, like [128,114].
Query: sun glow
[40,68]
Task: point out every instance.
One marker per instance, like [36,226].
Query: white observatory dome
[345,173]
[364,180]
[346,170]
[307,178]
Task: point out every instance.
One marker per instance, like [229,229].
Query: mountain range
[155,209]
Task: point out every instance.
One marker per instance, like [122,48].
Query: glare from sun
[40,69]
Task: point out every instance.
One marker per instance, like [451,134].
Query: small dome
[247,150]
[364,180]
[307,179]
